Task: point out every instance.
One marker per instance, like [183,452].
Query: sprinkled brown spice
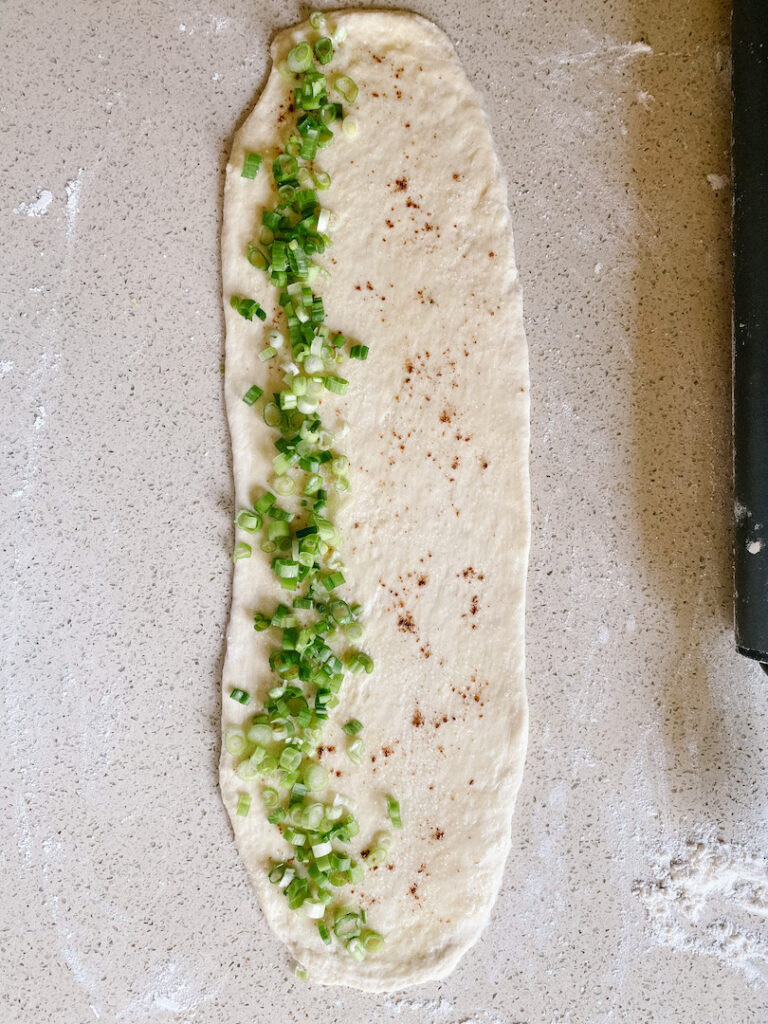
[389,223]
[387,751]
[491,255]
[406,624]
[445,416]
[456,177]
[474,606]
[418,718]
[438,833]
[410,203]
[401,184]
[413,891]
[421,581]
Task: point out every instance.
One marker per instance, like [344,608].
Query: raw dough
[436,530]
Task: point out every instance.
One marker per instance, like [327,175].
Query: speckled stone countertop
[121,895]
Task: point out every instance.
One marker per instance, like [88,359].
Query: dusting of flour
[710,897]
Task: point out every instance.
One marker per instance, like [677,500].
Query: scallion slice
[353,727]
[324,50]
[243,804]
[393,809]
[240,551]
[253,394]
[251,165]
[346,88]
[300,58]
[241,696]
[248,521]
[235,742]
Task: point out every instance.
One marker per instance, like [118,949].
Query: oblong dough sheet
[436,530]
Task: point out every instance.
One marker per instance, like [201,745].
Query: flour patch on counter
[710,897]
[37,207]
[72,207]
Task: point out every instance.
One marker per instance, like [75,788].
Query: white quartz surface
[636,890]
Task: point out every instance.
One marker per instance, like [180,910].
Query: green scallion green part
[301,973]
[253,394]
[247,308]
[241,696]
[336,384]
[240,551]
[346,88]
[317,20]
[324,50]
[393,809]
[243,804]
[251,165]
[265,503]
[278,744]
[248,521]
[349,127]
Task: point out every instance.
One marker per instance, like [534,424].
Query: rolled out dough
[436,528]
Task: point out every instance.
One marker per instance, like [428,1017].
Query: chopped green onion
[376,857]
[372,941]
[333,580]
[247,308]
[300,58]
[249,521]
[235,742]
[301,973]
[290,759]
[346,88]
[241,696]
[324,50]
[316,777]
[325,935]
[353,727]
[241,551]
[251,165]
[256,257]
[317,20]
[253,394]
[270,797]
[393,809]
[243,804]
[336,384]
[359,352]
[349,127]
[355,751]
